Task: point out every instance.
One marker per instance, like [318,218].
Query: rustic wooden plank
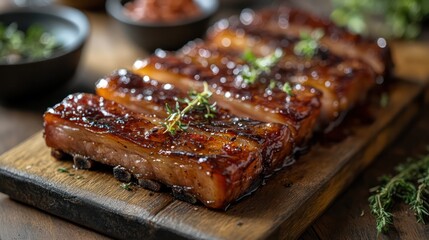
[350,216]
[295,196]
[35,224]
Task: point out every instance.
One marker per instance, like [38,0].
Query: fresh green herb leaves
[173,122]
[196,101]
[272,84]
[308,44]
[388,18]
[63,170]
[17,45]
[287,88]
[126,186]
[410,184]
[256,66]
[66,170]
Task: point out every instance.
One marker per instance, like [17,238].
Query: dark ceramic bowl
[165,35]
[70,28]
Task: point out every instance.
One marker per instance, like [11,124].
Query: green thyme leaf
[63,170]
[308,44]
[196,101]
[272,84]
[256,66]
[126,186]
[287,88]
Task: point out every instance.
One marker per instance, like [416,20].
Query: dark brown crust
[284,25]
[218,160]
[143,94]
[221,156]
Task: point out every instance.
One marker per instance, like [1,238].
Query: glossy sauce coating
[215,161]
[143,94]
[287,25]
[258,124]
[258,101]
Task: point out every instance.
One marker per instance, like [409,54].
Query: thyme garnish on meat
[410,184]
[287,88]
[309,43]
[196,101]
[272,84]
[256,66]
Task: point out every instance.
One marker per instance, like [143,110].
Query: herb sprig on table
[410,185]
[17,45]
[195,101]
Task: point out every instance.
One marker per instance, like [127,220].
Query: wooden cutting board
[282,208]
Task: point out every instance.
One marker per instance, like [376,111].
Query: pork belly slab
[299,109]
[342,81]
[287,25]
[146,95]
[214,161]
[343,72]
[263,113]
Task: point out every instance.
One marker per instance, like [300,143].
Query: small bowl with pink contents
[166,24]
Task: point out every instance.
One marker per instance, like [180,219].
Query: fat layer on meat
[214,163]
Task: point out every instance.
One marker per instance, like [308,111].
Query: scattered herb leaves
[287,88]
[308,44]
[66,170]
[256,66]
[126,186]
[63,170]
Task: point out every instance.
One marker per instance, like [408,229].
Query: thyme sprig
[309,43]
[256,66]
[410,184]
[196,101]
[287,88]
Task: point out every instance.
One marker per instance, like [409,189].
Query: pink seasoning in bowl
[161,10]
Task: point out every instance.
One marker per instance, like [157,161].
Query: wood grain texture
[350,218]
[35,224]
[295,196]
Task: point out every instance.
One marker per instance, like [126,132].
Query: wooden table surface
[108,49]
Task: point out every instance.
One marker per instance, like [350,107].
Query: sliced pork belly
[261,101]
[343,81]
[288,24]
[146,95]
[213,163]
